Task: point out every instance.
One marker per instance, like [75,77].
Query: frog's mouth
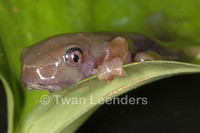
[43,86]
[39,86]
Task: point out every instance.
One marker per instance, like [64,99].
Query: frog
[62,60]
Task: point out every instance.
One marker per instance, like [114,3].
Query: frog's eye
[74,56]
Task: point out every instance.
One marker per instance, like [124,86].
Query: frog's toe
[108,70]
[105,71]
[117,66]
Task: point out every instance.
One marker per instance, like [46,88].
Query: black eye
[74,56]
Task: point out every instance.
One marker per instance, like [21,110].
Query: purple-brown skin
[62,60]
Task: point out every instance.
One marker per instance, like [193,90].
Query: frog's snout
[30,80]
[38,77]
[26,82]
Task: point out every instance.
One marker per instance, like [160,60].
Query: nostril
[25,84]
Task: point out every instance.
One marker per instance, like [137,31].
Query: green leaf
[23,23]
[60,116]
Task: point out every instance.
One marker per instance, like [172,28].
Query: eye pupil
[76,58]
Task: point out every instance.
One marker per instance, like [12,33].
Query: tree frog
[62,60]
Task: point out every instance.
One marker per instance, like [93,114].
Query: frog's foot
[117,53]
[146,56]
[109,70]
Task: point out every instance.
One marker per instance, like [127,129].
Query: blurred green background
[23,23]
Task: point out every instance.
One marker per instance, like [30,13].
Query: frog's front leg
[117,53]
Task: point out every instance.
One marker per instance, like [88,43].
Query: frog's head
[57,62]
